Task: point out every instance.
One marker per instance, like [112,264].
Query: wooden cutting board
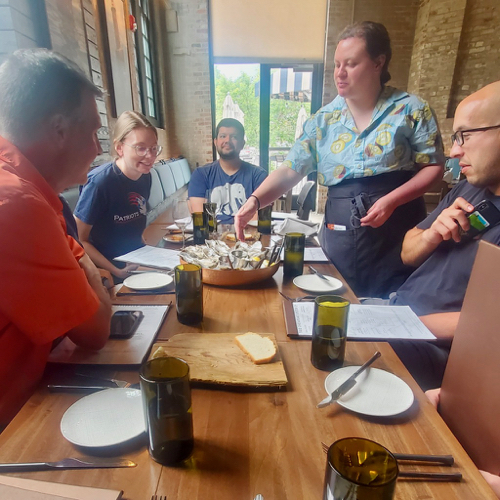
[215,358]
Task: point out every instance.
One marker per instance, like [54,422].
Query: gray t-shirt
[438,285]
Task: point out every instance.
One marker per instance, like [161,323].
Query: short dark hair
[230,123]
[36,84]
[377,41]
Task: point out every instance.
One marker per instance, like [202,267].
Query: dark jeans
[426,361]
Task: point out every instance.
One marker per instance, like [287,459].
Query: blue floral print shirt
[402,135]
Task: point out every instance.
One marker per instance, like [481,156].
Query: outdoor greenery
[242,90]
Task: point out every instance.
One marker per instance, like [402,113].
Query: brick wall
[478,61]
[456,52]
[189,105]
[73,34]
[439,26]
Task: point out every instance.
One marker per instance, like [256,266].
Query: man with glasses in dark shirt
[437,246]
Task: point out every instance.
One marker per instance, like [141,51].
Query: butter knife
[67,463]
[318,274]
[348,384]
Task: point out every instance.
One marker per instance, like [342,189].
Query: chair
[156,195]
[470,399]
[166,177]
[178,172]
[305,201]
[435,195]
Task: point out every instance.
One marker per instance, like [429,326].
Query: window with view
[145,62]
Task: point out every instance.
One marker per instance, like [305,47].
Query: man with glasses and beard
[229,181]
[437,246]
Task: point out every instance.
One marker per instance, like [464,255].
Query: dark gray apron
[369,258]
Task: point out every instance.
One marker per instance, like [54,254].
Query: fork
[122,384]
[298,299]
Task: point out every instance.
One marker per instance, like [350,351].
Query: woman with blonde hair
[111,211]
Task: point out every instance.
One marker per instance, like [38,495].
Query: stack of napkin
[297,226]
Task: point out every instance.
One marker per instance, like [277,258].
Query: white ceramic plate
[377,393]
[105,418]
[147,281]
[173,238]
[314,284]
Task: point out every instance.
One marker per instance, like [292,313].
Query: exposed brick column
[439,26]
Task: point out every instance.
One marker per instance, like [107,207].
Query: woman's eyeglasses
[142,151]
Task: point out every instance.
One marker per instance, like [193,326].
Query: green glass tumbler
[166,397]
[329,334]
[294,255]
[264,222]
[200,228]
[189,294]
[359,469]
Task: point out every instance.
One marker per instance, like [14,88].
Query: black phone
[484,217]
[124,324]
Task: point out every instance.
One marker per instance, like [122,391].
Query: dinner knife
[78,388]
[348,384]
[318,274]
[67,463]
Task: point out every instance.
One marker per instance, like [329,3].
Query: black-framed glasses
[458,136]
[143,151]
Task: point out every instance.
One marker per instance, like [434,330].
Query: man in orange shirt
[50,288]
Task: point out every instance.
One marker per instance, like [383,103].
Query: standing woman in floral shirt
[377,149]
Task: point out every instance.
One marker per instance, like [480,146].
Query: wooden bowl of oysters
[240,265]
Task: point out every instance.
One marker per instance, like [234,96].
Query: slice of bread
[260,349]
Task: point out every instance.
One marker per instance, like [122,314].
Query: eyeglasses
[458,137]
[142,151]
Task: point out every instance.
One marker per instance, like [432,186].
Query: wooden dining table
[266,441]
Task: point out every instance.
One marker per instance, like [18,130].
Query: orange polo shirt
[43,291]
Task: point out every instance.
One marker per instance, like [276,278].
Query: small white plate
[105,418]
[147,281]
[377,393]
[173,238]
[314,284]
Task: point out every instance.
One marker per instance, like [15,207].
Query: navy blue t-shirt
[115,206]
[230,192]
[438,284]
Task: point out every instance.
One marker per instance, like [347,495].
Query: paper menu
[15,488]
[368,322]
[150,256]
[117,352]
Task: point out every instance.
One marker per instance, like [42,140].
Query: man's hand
[244,216]
[420,243]
[493,481]
[434,396]
[379,212]
[448,222]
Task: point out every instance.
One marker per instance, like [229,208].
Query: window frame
[140,60]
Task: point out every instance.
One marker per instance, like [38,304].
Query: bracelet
[258,201]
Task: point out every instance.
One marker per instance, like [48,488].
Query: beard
[231,155]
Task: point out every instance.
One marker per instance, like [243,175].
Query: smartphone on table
[484,216]
[124,324]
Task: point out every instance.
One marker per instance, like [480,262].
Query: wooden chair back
[470,393]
